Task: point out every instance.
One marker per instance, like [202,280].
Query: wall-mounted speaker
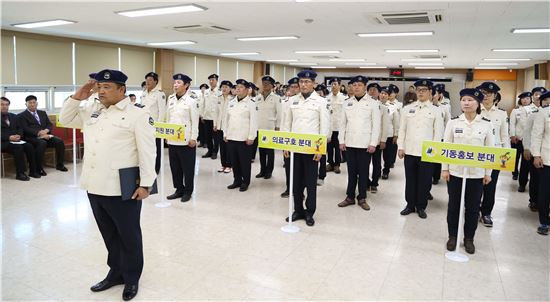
[469,75]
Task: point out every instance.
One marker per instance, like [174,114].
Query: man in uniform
[225,97]
[307,113]
[118,135]
[183,110]
[360,128]
[269,118]
[394,107]
[203,87]
[420,121]
[374,90]
[540,148]
[437,98]
[154,101]
[209,114]
[336,100]
[293,89]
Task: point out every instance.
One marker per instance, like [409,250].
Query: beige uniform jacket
[184,111]
[155,103]
[360,123]
[420,121]
[540,144]
[240,120]
[269,111]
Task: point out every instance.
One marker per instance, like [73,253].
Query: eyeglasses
[485,92]
[305,81]
[421,89]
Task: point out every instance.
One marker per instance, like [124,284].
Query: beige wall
[136,63]
[8,76]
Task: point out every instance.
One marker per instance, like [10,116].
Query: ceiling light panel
[162,10]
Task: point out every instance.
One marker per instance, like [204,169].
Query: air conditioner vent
[404,18]
[201,29]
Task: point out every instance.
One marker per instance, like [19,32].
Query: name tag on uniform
[350,104]
[412,111]
[295,102]
[95,114]
[459,130]
[232,105]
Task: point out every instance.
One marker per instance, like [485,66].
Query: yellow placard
[469,155]
[59,125]
[294,142]
[172,132]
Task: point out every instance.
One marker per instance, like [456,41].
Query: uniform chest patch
[459,130]
[95,114]
[151,121]
[412,111]
[295,103]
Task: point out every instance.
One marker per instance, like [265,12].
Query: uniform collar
[263,99]
[424,104]
[157,88]
[312,95]
[122,104]
[493,108]
[462,117]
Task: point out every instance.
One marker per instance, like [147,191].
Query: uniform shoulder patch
[151,121]
[454,118]
[545,106]
[139,105]
[485,119]
[163,96]
[501,109]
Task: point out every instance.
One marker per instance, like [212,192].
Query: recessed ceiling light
[361,64]
[324,67]
[401,34]
[426,64]
[347,60]
[268,38]
[372,67]
[491,59]
[162,10]
[520,49]
[411,50]
[171,43]
[433,67]
[283,60]
[44,23]
[497,64]
[317,51]
[421,60]
[530,30]
[496,67]
[302,63]
[239,53]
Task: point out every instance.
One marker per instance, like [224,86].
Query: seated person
[12,142]
[36,129]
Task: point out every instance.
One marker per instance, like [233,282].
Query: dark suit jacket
[12,129]
[31,126]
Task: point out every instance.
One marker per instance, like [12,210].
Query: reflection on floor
[227,245]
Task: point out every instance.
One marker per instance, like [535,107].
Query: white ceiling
[466,35]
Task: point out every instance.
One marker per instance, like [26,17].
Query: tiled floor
[227,245]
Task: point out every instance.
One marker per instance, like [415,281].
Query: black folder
[129,182]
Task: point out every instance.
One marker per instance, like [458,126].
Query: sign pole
[456,255]
[162,203]
[290,228]
[75,145]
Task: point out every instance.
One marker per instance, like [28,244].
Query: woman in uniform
[518,120]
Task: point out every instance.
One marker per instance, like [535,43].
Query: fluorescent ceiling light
[302,63]
[171,43]
[433,67]
[497,64]
[496,67]
[282,60]
[401,34]
[44,23]
[422,60]
[426,64]
[162,10]
[239,53]
[491,59]
[268,38]
[347,60]
[520,49]
[317,51]
[530,30]
[372,67]
[361,64]
[411,50]
[324,67]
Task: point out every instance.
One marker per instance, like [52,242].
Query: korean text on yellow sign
[172,132]
[469,155]
[58,123]
[294,142]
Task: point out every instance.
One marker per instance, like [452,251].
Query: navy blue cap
[203,86]
[294,80]
[182,77]
[489,86]
[153,75]
[253,86]
[307,74]
[267,78]
[92,75]
[358,78]
[111,75]
[245,83]
[538,89]
[213,76]
[385,89]
[226,83]
[334,80]
[424,83]
[393,89]
[439,88]
[525,95]
[473,92]
[320,87]
[544,96]
[375,85]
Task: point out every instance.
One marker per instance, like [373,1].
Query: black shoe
[285,194]
[185,198]
[514,177]
[214,156]
[543,230]
[22,177]
[406,211]
[373,189]
[104,285]
[296,216]
[62,168]
[435,181]
[469,246]
[35,175]
[267,176]
[260,175]
[42,172]
[174,196]
[521,189]
[243,188]
[130,291]
[430,197]
[233,186]
[309,220]
[421,213]
[385,175]
[533,207]
[207,155]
